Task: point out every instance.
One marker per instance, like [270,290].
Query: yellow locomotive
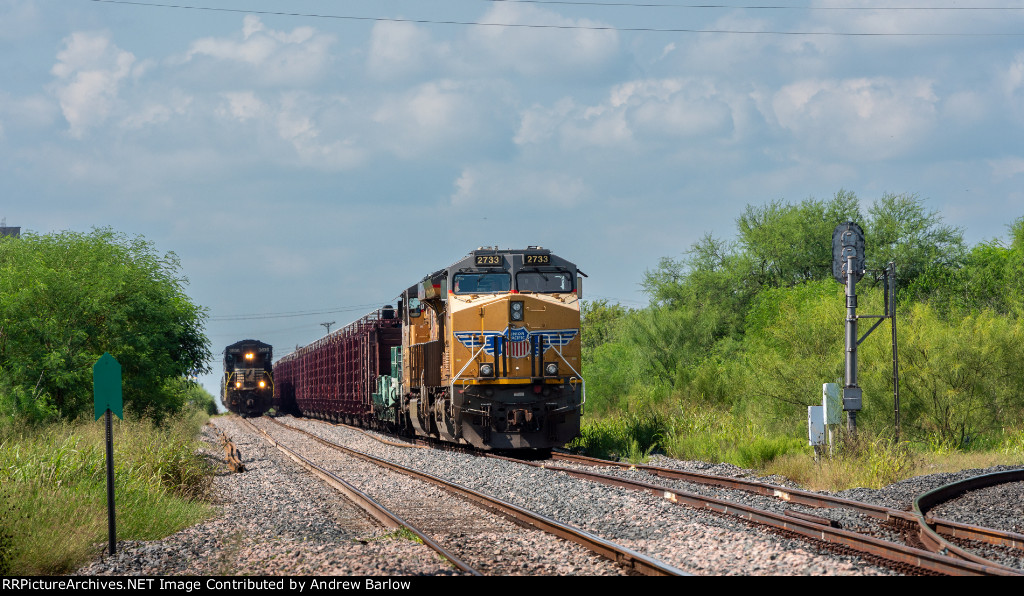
[490,353]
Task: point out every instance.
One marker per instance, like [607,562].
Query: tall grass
[874,462]
[699,433]
[54,513]
[705,433]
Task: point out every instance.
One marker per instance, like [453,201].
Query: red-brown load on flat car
[334,377]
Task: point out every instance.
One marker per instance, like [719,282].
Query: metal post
[111,531]
[891,299]
[851,338]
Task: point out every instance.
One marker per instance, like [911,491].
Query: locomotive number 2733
[489,261]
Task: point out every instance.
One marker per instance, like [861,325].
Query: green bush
[53,480]
[67,298]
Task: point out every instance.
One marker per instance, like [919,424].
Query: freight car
[485,352]
[248,384]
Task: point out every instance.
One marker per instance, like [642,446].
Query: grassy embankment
[709,435]
[53,516]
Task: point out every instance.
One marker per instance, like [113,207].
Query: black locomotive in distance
[248,384]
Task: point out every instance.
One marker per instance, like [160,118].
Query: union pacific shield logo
[518,345]
[515,341]
[517,334]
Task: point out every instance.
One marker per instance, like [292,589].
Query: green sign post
[106,395]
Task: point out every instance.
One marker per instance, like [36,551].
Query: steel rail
[940,526]
[790,495]
[810,499]
[927,560]
[379,512]
[952,529]
[615,552]
[931,536]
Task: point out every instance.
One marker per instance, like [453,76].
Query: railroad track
[446,522]
[370,506]
[938,555]
[900,539]
[935,530]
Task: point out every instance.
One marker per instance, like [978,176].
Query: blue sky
[320,164]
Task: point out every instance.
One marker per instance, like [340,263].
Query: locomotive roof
[248,342]
[470,259]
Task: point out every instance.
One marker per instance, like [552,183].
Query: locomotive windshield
[481,283]
[550,282]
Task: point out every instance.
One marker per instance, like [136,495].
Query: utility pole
[328,326]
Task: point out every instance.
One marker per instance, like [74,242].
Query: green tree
[67,298]
[988,276]
[900,229]
[791,244]
[599,323]
[960,378]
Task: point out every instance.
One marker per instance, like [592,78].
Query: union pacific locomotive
[485,352]
[248,385]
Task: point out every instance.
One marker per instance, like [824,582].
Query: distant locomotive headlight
[551,369]
[249,356]
[486,370]
[238,385]
[263,384]
[516,311]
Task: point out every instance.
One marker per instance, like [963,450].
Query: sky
[307,160]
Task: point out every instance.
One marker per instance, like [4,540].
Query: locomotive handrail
[583,382]
[464,367]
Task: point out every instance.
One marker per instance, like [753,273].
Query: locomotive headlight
[486,370]
[238,385]
[516,311]
[249,356]
[263,384]
[551,369]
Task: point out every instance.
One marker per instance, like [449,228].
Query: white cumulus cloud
[863,119]
[634,114]
[89,72]
[267,55]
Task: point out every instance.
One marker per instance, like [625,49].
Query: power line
[293,314]
[549,26]
[749,7]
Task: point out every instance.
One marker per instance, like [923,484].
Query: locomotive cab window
[549,282]
[481,283]
[415,308]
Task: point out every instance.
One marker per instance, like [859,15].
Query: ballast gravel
[276,519]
